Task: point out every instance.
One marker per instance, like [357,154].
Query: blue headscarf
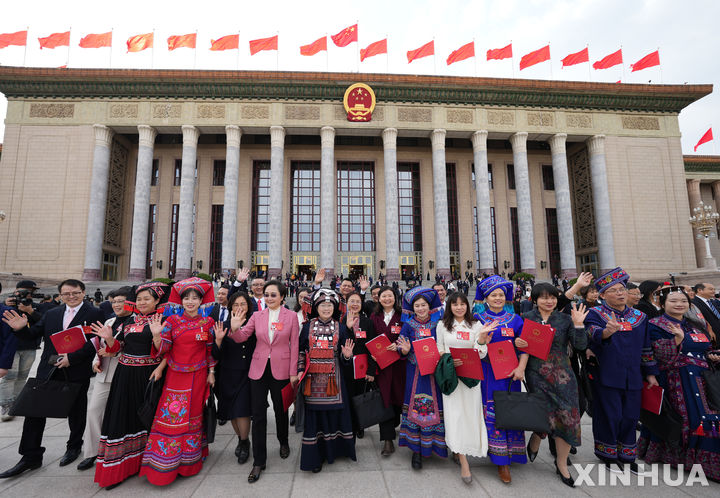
[412,295]
[489,284]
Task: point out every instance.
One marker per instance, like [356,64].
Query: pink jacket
[283,351]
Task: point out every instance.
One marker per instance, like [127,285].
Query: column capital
[693,184]
[715,185]
[103,135]
[557,143]
[232,135]
[190,135]
[327,137]
[277,136]
[437,137]
[147,135]
[389,136]
[518,141]
[596,144]
[479,140]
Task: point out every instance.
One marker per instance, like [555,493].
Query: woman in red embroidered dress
[177,444]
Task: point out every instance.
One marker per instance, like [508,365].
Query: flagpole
[434,58]
[357,23]
[587,46]
[327,55]
[512,61]
[195,49]
[27,35]
[277,52]
[661,80]
[238,53]
[111,46]
[623,65]
[551,75]
[475,57]
[387,56]
[152,55]
[67,63]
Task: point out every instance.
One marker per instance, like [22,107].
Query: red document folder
[70,340]
[652,398]
[377,347]
[539,338]
[360,366]
[289,393]
[426,354]
[471,365]
[502,358]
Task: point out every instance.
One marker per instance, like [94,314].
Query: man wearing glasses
[620,341]
[75,367]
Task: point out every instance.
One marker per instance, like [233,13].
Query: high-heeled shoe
[531,454]
[567,481]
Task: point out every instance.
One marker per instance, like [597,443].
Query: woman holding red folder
[390,379]
[504,447]
[554,377]
[422,429]
[465,431]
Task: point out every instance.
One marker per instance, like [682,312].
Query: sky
[684,32]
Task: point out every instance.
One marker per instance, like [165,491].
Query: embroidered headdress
[413,295]
[203,287]
[615,276]
[489,284]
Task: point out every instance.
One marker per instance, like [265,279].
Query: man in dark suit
[220,311]
[75,366]
[704,297]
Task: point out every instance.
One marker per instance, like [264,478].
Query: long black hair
[449,319]
[378,307]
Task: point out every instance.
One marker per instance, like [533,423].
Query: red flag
[424,51]
[376,48]
[500,53]
[346,36]
[318,45]
[179,41]
[229,42]
[270,43]
[536,57]
[609,60]
[650,60]
[55,40]
[139,43]
[707,137]
[464,52]
[576,58]
[96,40]
[17,38]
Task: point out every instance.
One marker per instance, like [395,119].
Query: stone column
[392,240]
[98,201]
[601,199]
[568,263]
[716,195]
[183,264]
[277,173]
[232,172]
[141,210]
[328,201]
[442,232]
[694,198]
[482,202]
[524,203]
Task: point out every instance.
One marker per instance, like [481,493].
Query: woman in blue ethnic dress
[123,436]
[324,344]
[504,447]
[422,428]
[554,377]
[178,444]
[682,352]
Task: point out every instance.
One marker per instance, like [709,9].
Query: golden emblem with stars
[359,102]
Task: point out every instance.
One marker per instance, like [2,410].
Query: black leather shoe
[416,461]
[531,454]
[255,473]
[244,453]
[69,457]
[567,481]
[317,470]
[573,450]
[360,433]
[113,486]
[222,422]
[238,447]
[284,451]
[87,463]
[292,419]
[21,467]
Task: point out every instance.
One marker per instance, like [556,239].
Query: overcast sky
[686,32]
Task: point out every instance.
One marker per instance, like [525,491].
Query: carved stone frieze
[119,111]
[505,118]
[52,110]
[463,116]
[414,114]
[255,112]
[641,123]
[164,111]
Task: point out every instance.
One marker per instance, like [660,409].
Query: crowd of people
[164,352]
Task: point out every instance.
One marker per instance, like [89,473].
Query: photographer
[24,349]
[8,344]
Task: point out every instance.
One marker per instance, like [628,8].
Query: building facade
[136,174]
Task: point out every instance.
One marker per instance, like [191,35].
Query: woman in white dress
[465,432]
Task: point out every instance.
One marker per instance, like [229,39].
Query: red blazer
[283,351]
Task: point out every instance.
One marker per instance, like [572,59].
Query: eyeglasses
[271,294]
[616,291]
[118,301]
[72,294]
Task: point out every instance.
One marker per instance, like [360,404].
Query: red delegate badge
[395,329]
[424,332]
[699,338]
[507,332]
[625,326]
[277,326]
[360,334]
[463,335]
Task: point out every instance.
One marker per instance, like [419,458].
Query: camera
[24,297]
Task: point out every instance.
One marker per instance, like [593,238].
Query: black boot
[238,447]
[244,453]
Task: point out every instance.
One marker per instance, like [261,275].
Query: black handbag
[210,417]
[712,387]
[667,425]
[146,411]
[370,408]
[46,398]
[518,411]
